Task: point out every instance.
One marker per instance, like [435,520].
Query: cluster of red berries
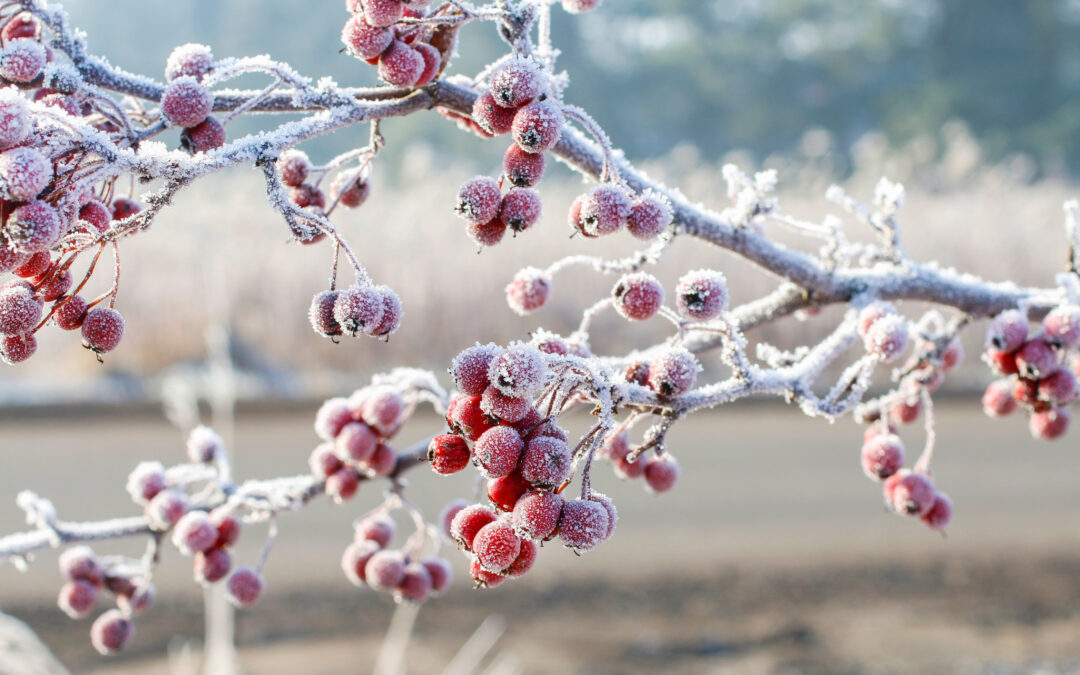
[660,471]
[1036,368]
[87,575]
[671,373]
[356,432]
[350,188]
[368,562]
[187,102]
[403,53]
[907,492]
[607,209]
[358,310]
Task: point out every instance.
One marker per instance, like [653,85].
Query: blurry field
[773,555]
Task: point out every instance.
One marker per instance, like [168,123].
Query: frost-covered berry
[870,314]
[416,583]
[448,513]
[637,296]
[673,372]
[145,481]
[24,173]
[102,329]
[111,632]
[432,62]
[124,208]
[479,199]
[440,571]
[193,60]
[492,117]
[1003,363]
[516,83]
[21,26]
[998,400]
[580,6]
[550,343]
[17,348]
[520,209]
[350,189]
[518,371]
[469,369]
[523,169]
[702,295]
[80,563]
[912,494]
[293,167]
[385,570]
[1062,326]
[77,598]
[448,453]
[32,227]
[1036,358]
[615,446]
[166,508]
[1059,387]
[97,214]
[661,473]
[211,566]
[498,451]
[355,559]
[383,410]
[882,456]
[382,13]
[468,521]
[1008,330]
[528,291]
[888,338]
[11,260]
[33,265]
[22,60]
[465,417]
[392,312]
[536,514]
[482,577]
[194,533]
[204,444]
[603,210]
[227,525]
[1026,391]
[15,121]
[185,102]
[342,484]
[504,492]
[524,561]
[609,506]
[244,587]
[383,462]
[505,409]
[364,40]
[546,461]
[486,234]
[1050,424]
[377,528]
[649,216]
[203,137]
[308,196]
[906,410]
[20,311]
[538,126]
[401,65]
[496,545]
[583,525]
[137,600]
[324,461]
[321,314]
[56,286]
[358,310]
[940,513]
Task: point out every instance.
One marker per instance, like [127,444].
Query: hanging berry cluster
[403,52]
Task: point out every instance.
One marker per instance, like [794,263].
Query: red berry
[22,60]
[415,585]
[492,117]
[516,83]
[193,60]
[350,189]
[520,209]
[882,456]
[383,411]
[382,12]
[24,173]
[308,196]
[293,166]
[482,577]
[537,126]
[324,461]
[17,348]
[638,373]
[401,65]
[479,199]
[448,454]
[448,513]
[15,120]
[609,506]
[111,632]
[1050,424]
[79,563]
[383,462]
[466,418]
[165,509]
[136,601]
[364,40]
[498,451]
[486,234]
[342,484]
[77,598]
[358,310]
[57,286]
[887,338]
[649,216]
[524,561]
[503,408]
[102,329]
[20,310]
[33,227]
[1036,358]
[392,312]
[583,525]
[1008,331]
[228,527]
[638,296]
[523,169]
[468,522]
[518,371]
[212,566]
[321,314]
[1003,363]
[96,214]
[528,291]
[505,491]
[673,372]
[1059,387]
[124,208]
[145,481]
[702,295]
[940,513]
[998,400]
[615,446]
[194,533]
[385,570]
[469,369]
[185,102]
[21,26]
[661,473]
[355,559]
[604,210]
[546,461]
[378,528]
[496,546]
[203,137]
[244,587]
[24,264]
[912,494]
[1062,326]
[628,470]
[550,343]
[432,62]
[952,355]
[906,410]
[440,571]
[536,514]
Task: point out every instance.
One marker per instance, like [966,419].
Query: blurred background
[773,554]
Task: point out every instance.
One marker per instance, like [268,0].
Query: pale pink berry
[244,587]
[415,585]
[1036,359]
[194,533]
[546,461]
[887,338]
[649,216]
[385,570]
[496,546]
[537,126]
[20,311]
[111,632]
[166,508]
[524,561]
[673,372]
[24,173]
[77,598]
[332,416]
[1008,331]
[401,65]
[940,513]
[15,120]
[17,348]
[529,290]
[702,295]
[1062,326]
[191,59]
[870,314]
[355,559]
[342,485]
[519,370]
[145,481]
[523,169]
[520,209]
[615,446]
[1049,425]
[468,521]
[536,514]
[440,571]
[22,60]
[293,166]
[583,525]
[638,296]
[324,461]
[998,400]
[383,411]
[506,409]
[383,12]
[609,506]
[80,563]
[661,473]
[952,355]
[1059,387]
[96,214]
[358,310]
[392,313]
[364,40]
[906,410]
[486,234]
[204,444]
[185,102]
[379,529]
[102,329]
[580,6]
[356,442]
[33,227]
[882,456]
[228,527]
[448,513]
[469,369]
[498,451]
[383,462]
[479,199]
[211,566]
[912,494]
[516,83]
